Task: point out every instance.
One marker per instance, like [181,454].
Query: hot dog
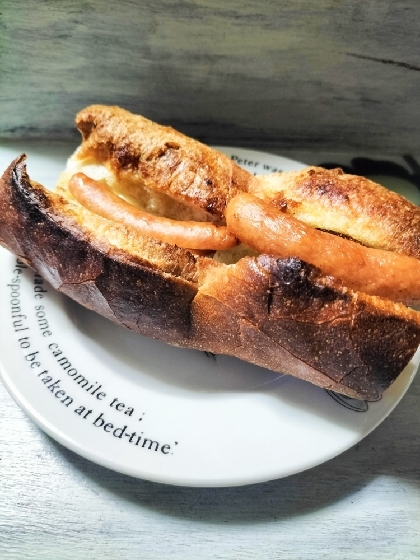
[190,235]
[280,312]
[354,206]
[372,271]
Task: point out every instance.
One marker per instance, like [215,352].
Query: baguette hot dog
[281,313]
[372,271]
[346,204]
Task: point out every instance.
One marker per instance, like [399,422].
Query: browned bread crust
[278,313]
[141,152]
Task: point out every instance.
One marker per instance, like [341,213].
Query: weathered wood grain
[297,74]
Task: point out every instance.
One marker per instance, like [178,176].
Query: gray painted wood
[339,75]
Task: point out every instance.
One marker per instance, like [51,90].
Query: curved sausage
[99,199]
[372,271]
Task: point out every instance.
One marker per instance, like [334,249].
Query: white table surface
[56,505]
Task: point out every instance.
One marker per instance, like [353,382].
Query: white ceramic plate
[165,414]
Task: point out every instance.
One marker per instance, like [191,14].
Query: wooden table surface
[364,503]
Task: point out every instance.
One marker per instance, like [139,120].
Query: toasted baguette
[277,313]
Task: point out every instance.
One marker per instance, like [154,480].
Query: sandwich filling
[250,226]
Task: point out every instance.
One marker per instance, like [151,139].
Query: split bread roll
[280,313]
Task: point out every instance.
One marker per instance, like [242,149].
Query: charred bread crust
[277,313]
[339,339]
[138,150]
[150,294]
[346,204]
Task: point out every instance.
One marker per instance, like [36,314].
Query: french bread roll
[279,313]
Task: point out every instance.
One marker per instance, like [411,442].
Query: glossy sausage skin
[98,198]
[372,271]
